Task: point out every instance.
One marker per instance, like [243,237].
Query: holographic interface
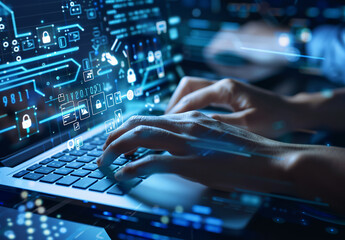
[66,66]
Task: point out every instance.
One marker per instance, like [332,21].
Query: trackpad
[169,191]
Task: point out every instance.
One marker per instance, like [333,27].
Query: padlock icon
[98,104]
[151,57]
[131,77]
[27,123]
[46,38]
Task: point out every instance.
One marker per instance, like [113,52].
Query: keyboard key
[58,155]
[34,167]
[67,181]
[108,172]
[141,150]
[63,171]
[97,174]
[46,161]
[97,142]
[75,165]
[80,173]
[56,164]
[67,158]
[113,167]
[88,147]
[33,176]
[51,178]
[85,159]
[120,161]
[102,185]
[95,153]
[116,191]
[103,137]
[45,170]
[78,153]
[84,183]
[130,183]
[20,174]
[91,167]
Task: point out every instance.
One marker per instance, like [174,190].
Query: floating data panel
[66,67]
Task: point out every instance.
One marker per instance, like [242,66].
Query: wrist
[306,111]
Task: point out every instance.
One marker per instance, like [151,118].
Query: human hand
[253,35]
[201,149]
[231,51]
[256,110]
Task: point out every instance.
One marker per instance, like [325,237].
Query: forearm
[308,172]
[319,172]
[319,110]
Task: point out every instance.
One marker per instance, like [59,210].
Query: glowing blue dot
[105,213]
[21,208]
[30,205]
[332,230]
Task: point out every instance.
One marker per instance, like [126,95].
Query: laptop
[71,72]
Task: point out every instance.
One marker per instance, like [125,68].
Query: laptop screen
[67,66]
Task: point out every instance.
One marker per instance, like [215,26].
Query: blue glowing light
[282,53]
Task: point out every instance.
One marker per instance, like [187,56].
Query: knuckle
[185,80]
[140,130]
[228,84]
[195,114]
[228,81]
[136,119]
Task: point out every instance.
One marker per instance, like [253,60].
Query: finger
[199,99]
[135,121]
[131,152]
[148,166]
[147,137]
[186,86]
[235,119]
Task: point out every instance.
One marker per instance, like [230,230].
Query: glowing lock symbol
[98,104]
[46,38]
[151,57]
[131,77]
[27,123]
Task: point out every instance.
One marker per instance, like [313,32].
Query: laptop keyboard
[78,169]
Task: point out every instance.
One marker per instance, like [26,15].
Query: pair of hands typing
[188,134]
[231,150]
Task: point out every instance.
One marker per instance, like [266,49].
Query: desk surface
[276,219]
